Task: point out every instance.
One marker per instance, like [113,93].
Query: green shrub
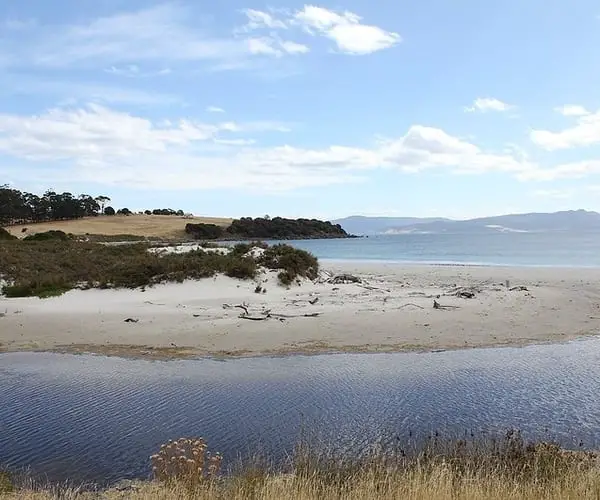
[33,289]
[50,267]
[242,268]
[48,236]
[293,262]
[243,248]
[204,231]
[5,235]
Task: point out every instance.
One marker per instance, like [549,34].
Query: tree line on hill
[277,228]
[19,207]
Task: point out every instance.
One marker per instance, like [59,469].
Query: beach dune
[391,309]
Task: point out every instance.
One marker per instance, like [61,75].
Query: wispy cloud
[215,109]
[160,34]
[98,144]
[134,71]
[585,132]
[345,29]
[485,104]
[572,110]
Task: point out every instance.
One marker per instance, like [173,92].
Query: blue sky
[460,109]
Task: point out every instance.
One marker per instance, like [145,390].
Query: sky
[243,108]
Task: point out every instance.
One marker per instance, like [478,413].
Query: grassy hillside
[156,226]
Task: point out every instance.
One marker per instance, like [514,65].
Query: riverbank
[506,468]
[391,308]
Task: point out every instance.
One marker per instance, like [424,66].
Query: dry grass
[436,484]
[155,226]
[507,469]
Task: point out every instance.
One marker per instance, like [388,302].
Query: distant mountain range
[572,220]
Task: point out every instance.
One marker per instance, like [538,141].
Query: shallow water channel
[92,418]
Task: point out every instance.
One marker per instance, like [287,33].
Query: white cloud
[134,71]
[346,30]
[258,19]
[97,144]
[158,34]
[586,132]
[572,110]
[485,104]
[294,48]
[215,109]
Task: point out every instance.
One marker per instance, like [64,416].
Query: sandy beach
[391,309]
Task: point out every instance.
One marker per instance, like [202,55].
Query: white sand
[391,311]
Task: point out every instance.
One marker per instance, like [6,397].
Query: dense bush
[266,228]
[109,211]
[204,231]
[48,236]
[48,267]
[294,263]
[167,211]
[5,235]
[244,248]
[279,228]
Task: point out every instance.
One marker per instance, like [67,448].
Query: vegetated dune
[158,226]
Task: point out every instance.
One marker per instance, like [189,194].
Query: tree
[124,211]
[109,211]
[102,201]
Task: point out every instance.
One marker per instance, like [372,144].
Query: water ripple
[95,418]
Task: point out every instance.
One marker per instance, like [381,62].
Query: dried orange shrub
[186,460]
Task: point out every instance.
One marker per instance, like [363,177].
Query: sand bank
[390,310]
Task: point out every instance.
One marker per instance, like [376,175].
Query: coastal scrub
[48,267]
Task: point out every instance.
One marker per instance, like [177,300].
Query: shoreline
[150,353]
[390,310]
[416,263]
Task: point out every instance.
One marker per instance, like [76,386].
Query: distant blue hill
[362,225]
[572,220]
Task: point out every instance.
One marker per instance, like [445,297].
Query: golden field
[155,226]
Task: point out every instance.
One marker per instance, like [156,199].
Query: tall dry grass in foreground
[445,470]
[438,483]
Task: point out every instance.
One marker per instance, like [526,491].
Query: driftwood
[131,320]
[519,289]
[267,314]
[411,304]
[313,301]
[437,305]
[343,279]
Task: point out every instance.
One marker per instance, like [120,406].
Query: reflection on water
[95,418]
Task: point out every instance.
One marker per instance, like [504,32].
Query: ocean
[546,249]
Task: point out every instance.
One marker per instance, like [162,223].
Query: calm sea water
[560,249]
[98,419]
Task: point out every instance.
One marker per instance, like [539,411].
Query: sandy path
[392,310]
